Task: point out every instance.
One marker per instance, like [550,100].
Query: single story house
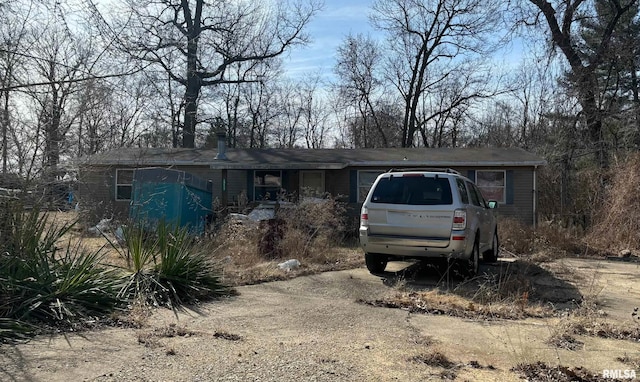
[507,175]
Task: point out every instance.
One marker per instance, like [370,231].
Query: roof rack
[429,169]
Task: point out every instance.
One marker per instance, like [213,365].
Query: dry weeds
[617,227]
[442,303]
[541,372]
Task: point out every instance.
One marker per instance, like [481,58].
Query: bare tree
[315,113]
[430,39]
[288,117]
[213,38]
[359,86]
[13,30]
[560,18]
[262,110]
[60,59]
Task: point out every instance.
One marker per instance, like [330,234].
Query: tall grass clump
[312,230]
[167,267]
[615,225]
[548,241]
[44,285]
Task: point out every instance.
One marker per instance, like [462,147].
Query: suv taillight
[364,217]
[459,219]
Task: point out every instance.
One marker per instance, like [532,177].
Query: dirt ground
[316,328]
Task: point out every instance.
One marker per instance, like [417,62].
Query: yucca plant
[15,330]
[167,267]
[185,270]
[42,285]
[67,290]
[140,253]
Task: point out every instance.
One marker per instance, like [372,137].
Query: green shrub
[42,285]
[167,268]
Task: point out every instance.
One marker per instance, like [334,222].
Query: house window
[312,183]
[492,184]
[365,181]
[267,184]
[124,183]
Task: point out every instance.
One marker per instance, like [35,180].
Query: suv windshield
[412,190]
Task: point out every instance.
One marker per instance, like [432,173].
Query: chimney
[222,145]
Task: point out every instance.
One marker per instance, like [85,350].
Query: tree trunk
[593,116]
[5,130]
[635,88]
[190,110]
[194,84]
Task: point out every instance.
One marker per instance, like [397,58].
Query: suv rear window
[413,190]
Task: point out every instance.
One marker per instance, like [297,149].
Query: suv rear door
[414,206]
[483,217]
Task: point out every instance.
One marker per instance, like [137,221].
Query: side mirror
[492,204]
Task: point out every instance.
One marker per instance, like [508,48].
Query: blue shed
[175,197]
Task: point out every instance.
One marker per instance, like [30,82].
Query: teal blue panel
[172,197]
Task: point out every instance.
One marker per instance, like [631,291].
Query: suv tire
[473,264]
[375,263]
[491,255]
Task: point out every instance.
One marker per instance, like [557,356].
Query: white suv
[434,214]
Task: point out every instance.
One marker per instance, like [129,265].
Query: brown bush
[550,239]
[616,220]
[312,230]
[308,232]
[516,237]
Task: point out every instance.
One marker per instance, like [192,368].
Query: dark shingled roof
[318,158]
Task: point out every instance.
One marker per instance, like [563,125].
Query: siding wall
[519,203]
[236,184]
[97,188]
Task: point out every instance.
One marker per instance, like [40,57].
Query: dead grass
[434,359]
[311,233]
[227,336]
[587,326]
[516,237]
[236,247]
[442,303]
[151,339]
[633,361]
[616,227]
[548,242]
[541,372]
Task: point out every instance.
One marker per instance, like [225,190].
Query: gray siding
[96,188]
[236,184]
[522,207]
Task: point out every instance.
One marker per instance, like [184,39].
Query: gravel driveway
[308,329]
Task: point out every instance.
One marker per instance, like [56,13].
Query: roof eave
[404,163]
[280,166]
[146,163]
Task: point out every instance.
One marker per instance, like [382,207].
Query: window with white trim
[267,184]
[124,183]
[312,183]
[492,183]
[365,181]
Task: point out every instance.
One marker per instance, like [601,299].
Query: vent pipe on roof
[222,145]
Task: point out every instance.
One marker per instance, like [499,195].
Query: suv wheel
[491,255]
[375,263]
[474,261]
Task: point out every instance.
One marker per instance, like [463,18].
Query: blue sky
[341,17]
[328,29]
